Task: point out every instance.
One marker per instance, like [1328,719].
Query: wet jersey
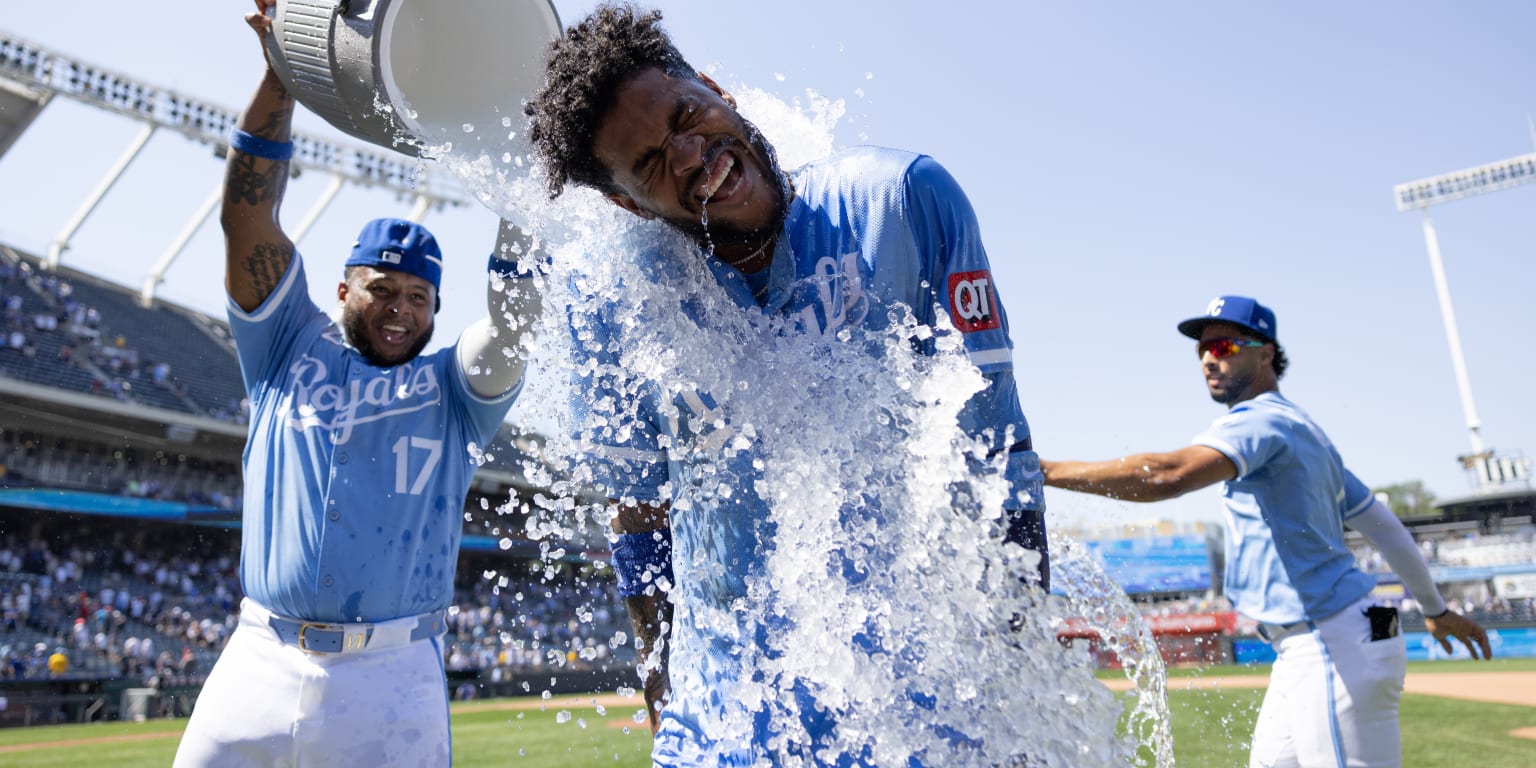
[1285,514]
[868,230]
[355,475]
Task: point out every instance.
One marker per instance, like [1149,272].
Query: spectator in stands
[370,548]
[1334,690]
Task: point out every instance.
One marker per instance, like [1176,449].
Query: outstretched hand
[1453,624]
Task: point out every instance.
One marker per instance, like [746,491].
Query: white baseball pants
[268,704]
[1333,697]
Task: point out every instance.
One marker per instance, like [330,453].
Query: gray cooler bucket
[413,74]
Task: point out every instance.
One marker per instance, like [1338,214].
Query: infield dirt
[1495,687]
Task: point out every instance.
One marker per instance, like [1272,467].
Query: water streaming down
[883,592]
[1097,599]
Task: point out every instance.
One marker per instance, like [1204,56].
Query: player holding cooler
[356,470]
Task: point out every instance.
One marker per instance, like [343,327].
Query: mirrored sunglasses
[1224,348]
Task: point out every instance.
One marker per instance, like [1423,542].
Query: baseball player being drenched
[1333,693]
[356,470]
[623,112]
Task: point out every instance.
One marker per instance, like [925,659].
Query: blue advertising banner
[1155,564]
[1508,643]
[1519,642]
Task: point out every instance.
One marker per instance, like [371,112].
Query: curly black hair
[582,72]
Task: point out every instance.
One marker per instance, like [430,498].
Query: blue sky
[1128,162]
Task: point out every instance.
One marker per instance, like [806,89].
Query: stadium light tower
[1489,470]
[31,76]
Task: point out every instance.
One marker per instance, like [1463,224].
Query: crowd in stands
[1470,548]
[158,605]
[1486,609]
[1515,546]
[51,336]
[156,602]
[504,626]
[115,604]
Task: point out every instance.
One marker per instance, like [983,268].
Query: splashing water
[1103,606]
[884,594]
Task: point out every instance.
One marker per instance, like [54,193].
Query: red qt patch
[972,302]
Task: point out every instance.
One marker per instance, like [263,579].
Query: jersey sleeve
[264,336]
[948,239]
[1246,436]
[615,419]
[483,414]
[1356,498]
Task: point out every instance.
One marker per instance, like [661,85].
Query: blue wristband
[508,269]
[640,560]
[256,146]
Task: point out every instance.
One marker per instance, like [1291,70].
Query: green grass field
[1210,729]
[1211,726]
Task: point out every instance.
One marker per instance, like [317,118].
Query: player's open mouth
[722,180]
[394,334]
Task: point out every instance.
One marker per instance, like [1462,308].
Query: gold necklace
[745,265]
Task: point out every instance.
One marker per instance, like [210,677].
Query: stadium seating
[163,357]
[203,364]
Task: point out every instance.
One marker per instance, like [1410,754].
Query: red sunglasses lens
[1219,348]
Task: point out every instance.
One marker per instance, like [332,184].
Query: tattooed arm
[257,252]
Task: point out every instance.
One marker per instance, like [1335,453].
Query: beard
[710,235]
[1232,393]
[357,336]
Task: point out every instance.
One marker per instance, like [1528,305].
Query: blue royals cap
[401,245]
[1241,311]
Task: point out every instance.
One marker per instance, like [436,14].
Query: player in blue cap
[1334,690]
[360,455]
[836,247]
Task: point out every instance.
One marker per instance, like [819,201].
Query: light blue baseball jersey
[1286,559]
[355,475]
[868,229]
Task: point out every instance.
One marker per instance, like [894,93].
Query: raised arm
[256,250]
[642,560]
[494,351]
[1143,476]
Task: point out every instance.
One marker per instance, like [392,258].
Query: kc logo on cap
[1240,311]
